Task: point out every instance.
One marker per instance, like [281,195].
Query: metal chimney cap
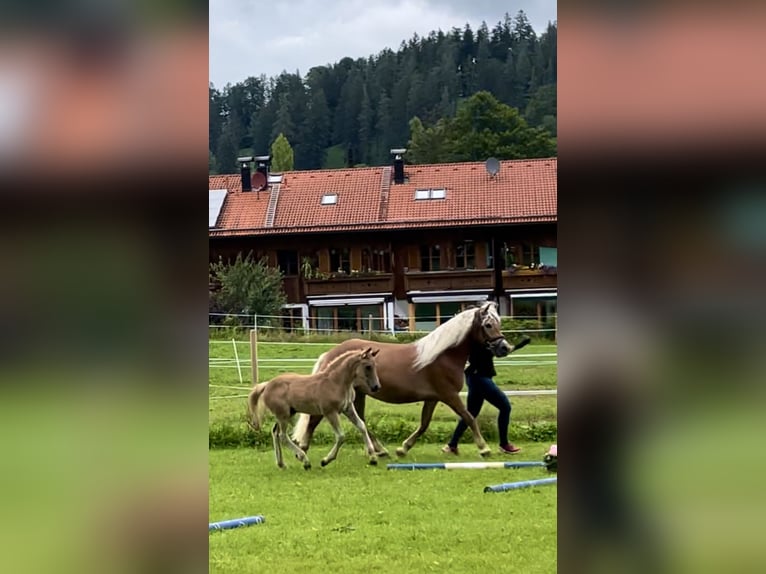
[245,159]
[399,151]
[263,158]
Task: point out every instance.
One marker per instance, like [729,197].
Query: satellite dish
[493,166]
[259,180]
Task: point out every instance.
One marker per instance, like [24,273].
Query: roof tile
[523,190]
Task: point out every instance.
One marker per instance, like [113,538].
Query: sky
[254,37]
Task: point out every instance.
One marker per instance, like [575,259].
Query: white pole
[236,356]
[254,346]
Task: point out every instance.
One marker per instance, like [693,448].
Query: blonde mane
[337,362]
[448,335]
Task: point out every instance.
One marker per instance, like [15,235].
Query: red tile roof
[523,191]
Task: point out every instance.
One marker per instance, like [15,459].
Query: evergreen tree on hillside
[366,105]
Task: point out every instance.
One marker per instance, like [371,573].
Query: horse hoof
[324,463]
[307,466]
[282,466]
[486,452]
[401,452]
[374,461]
[382,454]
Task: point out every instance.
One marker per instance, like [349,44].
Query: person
[481,387]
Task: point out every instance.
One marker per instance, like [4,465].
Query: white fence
[244,362]
[263,323]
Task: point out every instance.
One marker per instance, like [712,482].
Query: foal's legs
[314,421]
[425,419]
[334,421]
[277,446]
[299,454]
[351,414]
[454,402]
[359,405]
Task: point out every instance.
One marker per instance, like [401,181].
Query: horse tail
[254,406]
[301,428]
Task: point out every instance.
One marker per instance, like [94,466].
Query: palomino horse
[428,370]
[325,393]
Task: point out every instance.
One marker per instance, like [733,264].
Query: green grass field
[356,518]
[351,517]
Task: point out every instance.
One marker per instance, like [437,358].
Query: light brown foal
[327,393]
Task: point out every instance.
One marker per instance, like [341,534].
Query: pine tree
[228,147]
[365,122]
[317,129]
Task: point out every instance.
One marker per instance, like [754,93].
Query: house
[398,246]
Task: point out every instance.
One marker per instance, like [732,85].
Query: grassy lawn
[351,517]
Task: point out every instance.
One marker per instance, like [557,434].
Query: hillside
[354,111]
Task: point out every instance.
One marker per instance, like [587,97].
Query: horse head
[366,370]
[488,322]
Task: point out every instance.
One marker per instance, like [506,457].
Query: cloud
[249,39]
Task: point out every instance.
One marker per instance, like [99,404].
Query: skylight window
[439,193]
[329,199]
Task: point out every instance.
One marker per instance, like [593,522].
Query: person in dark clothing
[481,387]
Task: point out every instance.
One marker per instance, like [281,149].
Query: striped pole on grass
[521,484]
[459,465]
[236,523]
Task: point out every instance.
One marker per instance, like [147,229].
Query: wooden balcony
[529,279]
[454,280]
[350,285]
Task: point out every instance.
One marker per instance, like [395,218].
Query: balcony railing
[449,280]
[530,278]
[350,284]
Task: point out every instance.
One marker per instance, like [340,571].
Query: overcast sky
[253,37]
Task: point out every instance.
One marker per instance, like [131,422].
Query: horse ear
[375,352]
[366,352]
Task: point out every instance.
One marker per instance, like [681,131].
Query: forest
[451,96]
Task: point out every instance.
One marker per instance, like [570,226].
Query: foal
[327,392]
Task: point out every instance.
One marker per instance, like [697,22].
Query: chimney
[262,165]
[244,171]
[398,164]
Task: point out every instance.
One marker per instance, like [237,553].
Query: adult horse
[428,370]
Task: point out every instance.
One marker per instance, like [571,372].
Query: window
[329,199]
[465,255]
[430,256]
[287,261]
[376,260]
[425,316]
[490,255]
[530,254]
[439,193]
[292,319]
[340,260]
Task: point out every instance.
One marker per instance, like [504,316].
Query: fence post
[254,350]
[369,323]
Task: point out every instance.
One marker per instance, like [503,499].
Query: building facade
[397,247]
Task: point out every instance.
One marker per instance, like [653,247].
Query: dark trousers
[482,389]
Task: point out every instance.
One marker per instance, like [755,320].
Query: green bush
[391,431]
[507,324]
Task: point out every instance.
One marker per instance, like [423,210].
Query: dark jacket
[481,362]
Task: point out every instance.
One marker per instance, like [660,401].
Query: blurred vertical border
[103,353]
[662,223]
